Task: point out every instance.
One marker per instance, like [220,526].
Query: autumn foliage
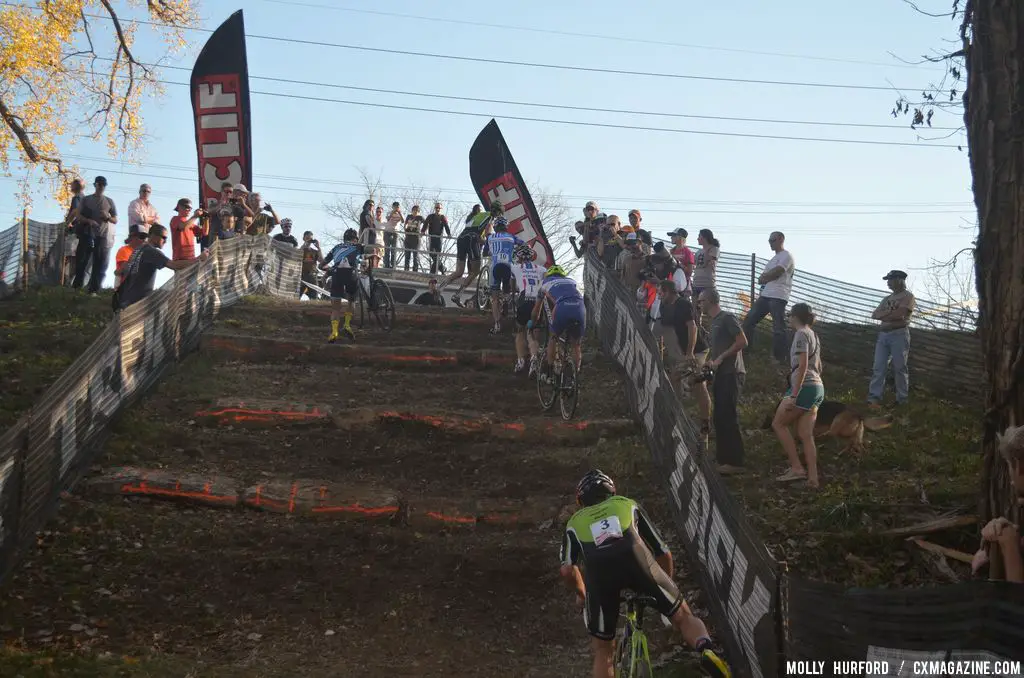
[69,71]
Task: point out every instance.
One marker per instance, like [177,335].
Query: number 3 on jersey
[605,529]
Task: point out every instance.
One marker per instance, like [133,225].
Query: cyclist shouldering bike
[614,542]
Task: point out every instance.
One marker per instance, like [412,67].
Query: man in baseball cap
[141,211]
[683,254]
[893,345]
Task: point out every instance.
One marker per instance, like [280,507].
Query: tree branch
[937,16]
[13,123]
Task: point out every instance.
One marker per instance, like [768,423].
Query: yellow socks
[334,328]
[348,321]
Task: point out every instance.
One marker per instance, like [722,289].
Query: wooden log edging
[338,501]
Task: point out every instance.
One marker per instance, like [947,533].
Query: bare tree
[951,285]
[552,208]
[348,208]
[555,218]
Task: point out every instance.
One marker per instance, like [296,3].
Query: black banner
[220,105]
[495,176]
[736,572]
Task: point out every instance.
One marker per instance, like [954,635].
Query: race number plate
[605,529]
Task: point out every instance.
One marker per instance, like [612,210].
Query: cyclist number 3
[605,529]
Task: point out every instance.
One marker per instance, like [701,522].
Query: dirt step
[226,346]
[319,314]
[256,413]
[338,501]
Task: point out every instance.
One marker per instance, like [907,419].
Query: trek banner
[220,104]
[495,176]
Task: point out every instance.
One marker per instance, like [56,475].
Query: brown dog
[842,421]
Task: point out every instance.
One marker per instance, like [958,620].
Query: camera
[706,375]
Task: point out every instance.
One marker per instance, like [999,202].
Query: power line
[150,175]
[596,36]
[590,109]
[526,64]
[580,123]
[967,205]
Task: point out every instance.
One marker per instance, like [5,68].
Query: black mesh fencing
[50,446]
[737,573]
[40,254]
[977,620]
[945,353]
[766,618]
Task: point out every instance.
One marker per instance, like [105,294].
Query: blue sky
[855,200]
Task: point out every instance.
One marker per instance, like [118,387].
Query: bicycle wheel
[624,653]
[363,312]
[547,392]
[569,388]
[482,297]
[383,305]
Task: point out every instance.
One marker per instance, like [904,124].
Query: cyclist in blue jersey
[468,245]
[343,262]
[527,277]
[502,245]
[566,314]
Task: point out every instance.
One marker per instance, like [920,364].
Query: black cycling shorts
[524,310]
[467,246]
[631,568]
[344,284]
[501,278]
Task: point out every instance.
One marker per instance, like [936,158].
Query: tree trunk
[994,117]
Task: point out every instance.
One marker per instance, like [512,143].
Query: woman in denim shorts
[799,407]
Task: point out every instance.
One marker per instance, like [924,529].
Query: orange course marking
[450,519]
[144,488]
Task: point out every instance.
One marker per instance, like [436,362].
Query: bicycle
[375,297]
[565,386]
[482,296]
[632,654]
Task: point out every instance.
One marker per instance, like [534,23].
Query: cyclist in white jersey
[528,277]
[502,247]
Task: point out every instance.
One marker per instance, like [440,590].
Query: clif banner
[495,177]
[220,104]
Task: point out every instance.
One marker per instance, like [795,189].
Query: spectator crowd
[703,345]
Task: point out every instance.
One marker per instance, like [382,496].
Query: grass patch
[925,465]
[42,332]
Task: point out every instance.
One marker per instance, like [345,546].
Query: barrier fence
[33,249]
[764,616]
[50,446]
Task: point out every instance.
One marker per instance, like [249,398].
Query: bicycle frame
[639,654]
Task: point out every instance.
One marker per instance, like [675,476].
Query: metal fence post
[24,249]
[753,272]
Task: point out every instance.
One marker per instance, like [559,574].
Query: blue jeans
[761,308]
[100,259]
[893,345]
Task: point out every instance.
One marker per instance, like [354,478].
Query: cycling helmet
[593,488]
[496,208]
[350,235]
[524,253]
[286,222]
[555,270]
[500,224]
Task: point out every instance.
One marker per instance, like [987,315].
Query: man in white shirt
[141,211]
[776,285]
[391,223]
